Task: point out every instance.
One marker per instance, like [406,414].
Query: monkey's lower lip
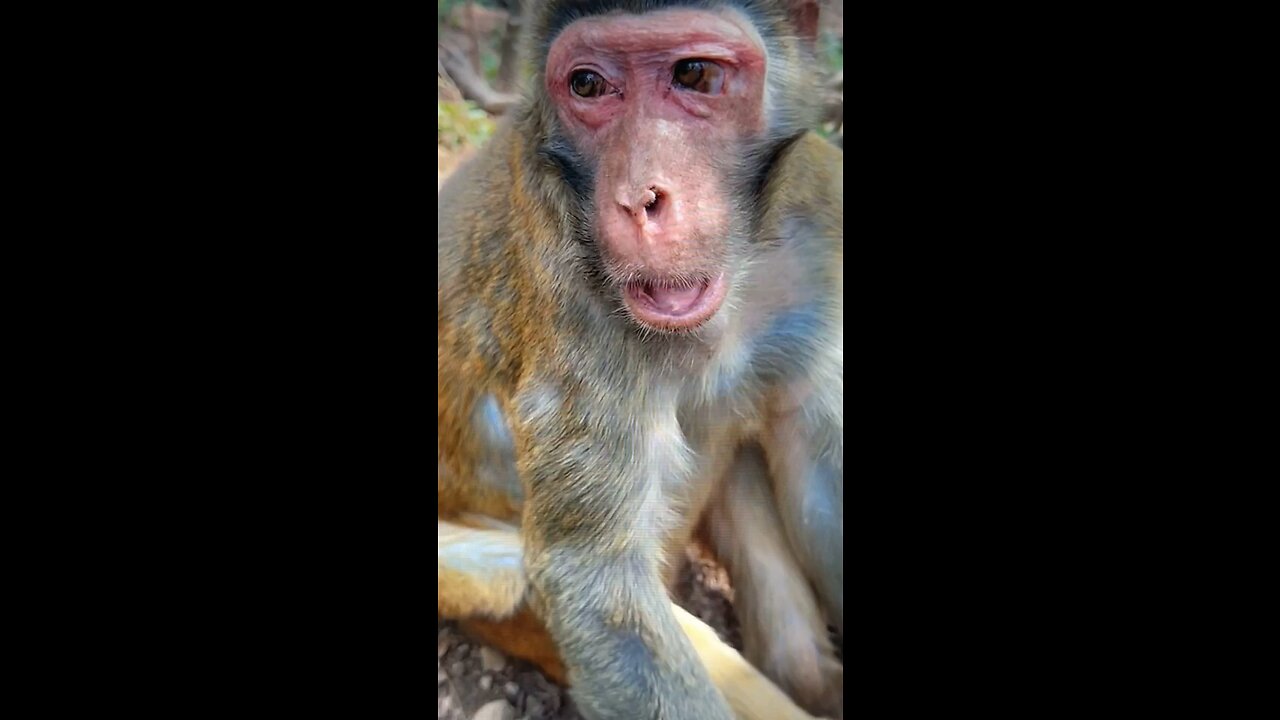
[668,307]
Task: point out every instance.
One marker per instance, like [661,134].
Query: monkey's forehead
[695,30]
[554,17]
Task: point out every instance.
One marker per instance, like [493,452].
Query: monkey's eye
[585,83]
[701,76]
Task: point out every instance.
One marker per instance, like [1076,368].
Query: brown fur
[520,636]
[608,444]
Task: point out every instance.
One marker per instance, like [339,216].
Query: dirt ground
[479,683]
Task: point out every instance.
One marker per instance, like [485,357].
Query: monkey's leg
[783,631]
[479,571]
[751,695]
[477,586]
[805,449]
[481,584]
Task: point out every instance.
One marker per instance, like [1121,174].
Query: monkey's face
[661,106]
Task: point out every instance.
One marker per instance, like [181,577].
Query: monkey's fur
[610,443]
[482,585]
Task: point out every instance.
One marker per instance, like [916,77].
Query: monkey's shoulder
[477,196]
[807,180]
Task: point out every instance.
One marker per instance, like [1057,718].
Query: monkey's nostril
[644,208]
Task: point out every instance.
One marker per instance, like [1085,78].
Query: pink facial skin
[660,201]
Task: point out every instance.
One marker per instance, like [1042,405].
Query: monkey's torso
[524,337]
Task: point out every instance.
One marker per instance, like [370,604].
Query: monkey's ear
[804,15]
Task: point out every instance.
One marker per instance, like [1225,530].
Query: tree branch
[471,83]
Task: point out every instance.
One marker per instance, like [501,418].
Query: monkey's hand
[625,654]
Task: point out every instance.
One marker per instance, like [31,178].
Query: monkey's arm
[625,653]
[481,573]
[804,434]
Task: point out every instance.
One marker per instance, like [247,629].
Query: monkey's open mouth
[669,306]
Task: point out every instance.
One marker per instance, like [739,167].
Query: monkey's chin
[660,306]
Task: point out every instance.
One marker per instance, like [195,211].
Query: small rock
[496,710]
[511,689]
[486,682]
[538,681]
[533,707]
[492,659]
[457,669]
[441,678]
[462,650]
[442,648]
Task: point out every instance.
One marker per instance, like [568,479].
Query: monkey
[640,338]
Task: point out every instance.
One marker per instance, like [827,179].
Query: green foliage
[490,61]
[443,8]
[831,51]
[461,123]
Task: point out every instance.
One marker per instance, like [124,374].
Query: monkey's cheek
[673,311]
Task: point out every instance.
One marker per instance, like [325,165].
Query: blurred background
[477,67]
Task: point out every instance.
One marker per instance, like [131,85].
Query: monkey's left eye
[701,76]
[587,84]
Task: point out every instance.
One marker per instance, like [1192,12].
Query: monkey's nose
[642,207]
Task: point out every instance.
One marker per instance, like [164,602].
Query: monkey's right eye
[585,83]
